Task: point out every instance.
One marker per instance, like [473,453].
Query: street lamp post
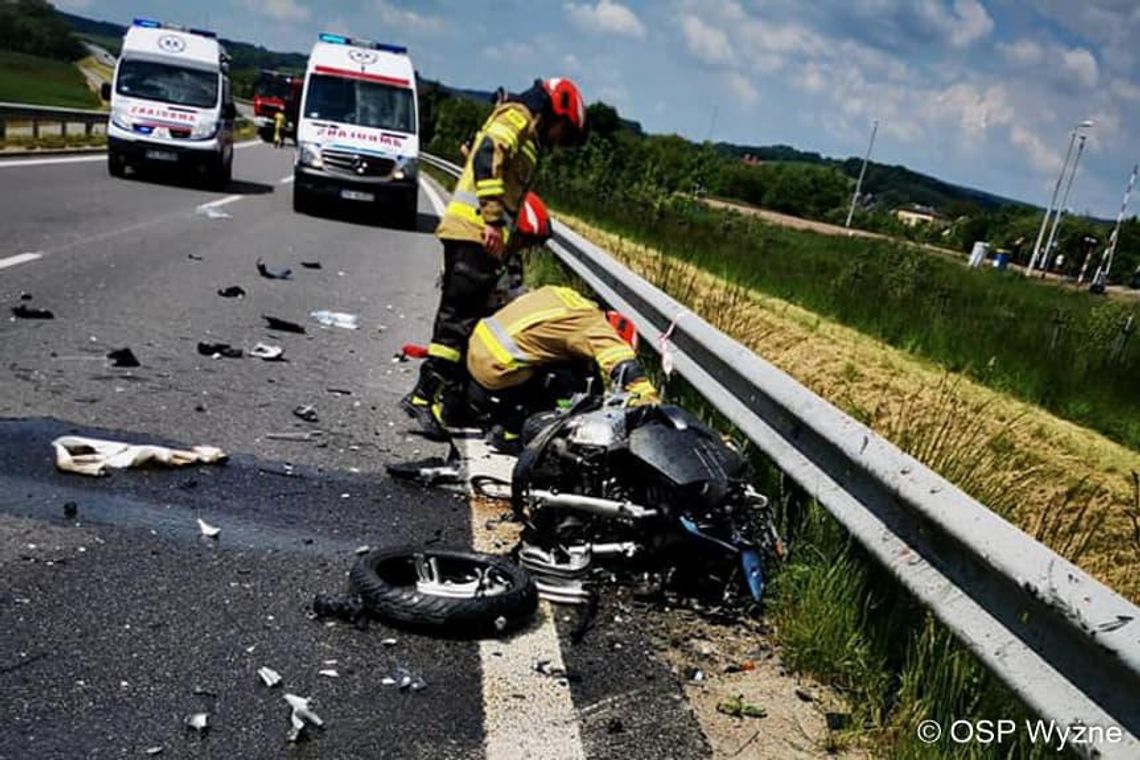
[1061,208]
[1053,199]
[863,171]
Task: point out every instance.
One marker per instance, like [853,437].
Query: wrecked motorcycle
[649,485]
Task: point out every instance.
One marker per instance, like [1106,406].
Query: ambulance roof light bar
[149,23]
[340,39]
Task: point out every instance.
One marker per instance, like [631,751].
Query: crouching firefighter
[478,224]
[546,327]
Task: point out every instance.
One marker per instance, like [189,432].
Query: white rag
[91,456]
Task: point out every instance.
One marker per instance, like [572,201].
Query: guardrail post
[63,130]
[89,128]
[3,128]
[35,129]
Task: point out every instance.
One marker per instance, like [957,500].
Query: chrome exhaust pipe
[592,504]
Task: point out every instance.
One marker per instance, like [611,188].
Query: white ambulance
[171,103]
[357,132]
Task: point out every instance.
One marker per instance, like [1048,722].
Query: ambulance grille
[353,164]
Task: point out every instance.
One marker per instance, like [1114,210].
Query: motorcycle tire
[385,579]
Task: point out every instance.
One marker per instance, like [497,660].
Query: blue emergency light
[340,39]
[148,23]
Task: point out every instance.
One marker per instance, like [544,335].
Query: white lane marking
[100,156]
[220,202]
[19,258]
[13,163]
[433,196]
[286,180]
[544,725]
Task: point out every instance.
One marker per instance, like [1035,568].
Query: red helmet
[624,327]
[566,101]
[533,218]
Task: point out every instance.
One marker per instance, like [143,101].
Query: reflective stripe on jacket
[496,175]
[551,324]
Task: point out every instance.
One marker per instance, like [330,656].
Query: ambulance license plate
[161,155]
[354,195]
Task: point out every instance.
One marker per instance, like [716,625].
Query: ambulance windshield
[151,80]
[359,102]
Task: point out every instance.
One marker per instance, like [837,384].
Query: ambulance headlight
[119,118]
[309,154]
[406,170]
[204,130]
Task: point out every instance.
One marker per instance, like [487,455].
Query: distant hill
[890,185]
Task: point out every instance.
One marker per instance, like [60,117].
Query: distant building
[914,214]
[750,160]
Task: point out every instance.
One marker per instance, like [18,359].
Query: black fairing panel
[676,445]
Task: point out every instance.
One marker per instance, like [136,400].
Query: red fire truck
[275,92]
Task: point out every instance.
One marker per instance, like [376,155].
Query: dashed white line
[219,202]
[19,258]
[286,180]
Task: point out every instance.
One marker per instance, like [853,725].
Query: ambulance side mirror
[105,91]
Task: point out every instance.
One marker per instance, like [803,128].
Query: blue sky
[979,92]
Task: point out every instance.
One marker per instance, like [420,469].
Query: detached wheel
[455,592]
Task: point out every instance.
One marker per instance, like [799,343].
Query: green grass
[1066,351]
[42,81]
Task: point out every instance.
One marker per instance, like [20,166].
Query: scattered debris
[837,721]
[389,642]
[339,391]
[346,607]
[23,311]
[311,264]
[614,725]
[123,357]
[269,676]
[70,510]
[209,531]
[747,665]
[804,695]
[306,413]
[547,669]
[233,291]
[154,750]
[738,708]
[697,675]
[24,296]
[300,717]
[219,350]
[91,456]
[273,274]
[198,722]
[362,549]
[193,257]
[283,325]
[212,212]
[336,319]
[291,436]
[330,673]
[404,680]
[267,352]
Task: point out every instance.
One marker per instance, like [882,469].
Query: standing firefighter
[477,226]
[279,129]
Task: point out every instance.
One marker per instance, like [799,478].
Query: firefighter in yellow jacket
[477,226]
[555,325]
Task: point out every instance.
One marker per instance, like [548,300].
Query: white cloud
[279,10]
[812,78]
[606,17]
[742,88]
[707,43]
[1068,65]
[964,25]
[1044,159]
[513,52]
[1126,90]
[393,15]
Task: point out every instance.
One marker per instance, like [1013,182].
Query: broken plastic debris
[301,716]
[389,642]
[209,531]
[212,212]
[123,357]
[23,311]
[198,721]
[154,750]
[269,676]
[362,549]
[267,352]
[273,274]
[91,456]
[388,681]
[233,291]
[311,264]
[329,673]
[283,325]
[193,257]
[290,436]
[306,413]
[336,319]
[219,350]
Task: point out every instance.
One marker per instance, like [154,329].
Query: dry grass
[1070,487]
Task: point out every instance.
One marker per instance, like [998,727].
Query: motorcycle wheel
[454,592]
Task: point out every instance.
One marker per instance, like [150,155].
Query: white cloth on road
[92,456]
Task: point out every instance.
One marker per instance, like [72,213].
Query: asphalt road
[122,620]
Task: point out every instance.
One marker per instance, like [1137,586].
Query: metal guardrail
[1067,645]
[38,115]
